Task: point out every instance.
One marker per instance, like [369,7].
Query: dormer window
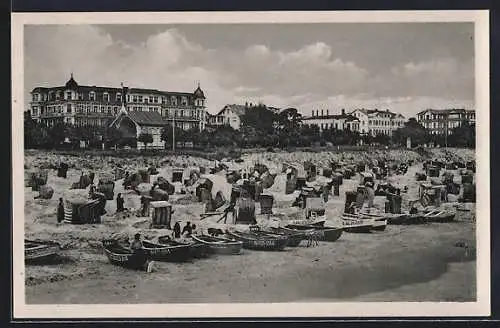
[105,96]
[58,95]
[92,96]
[184,101]
[35,97]
[68,95]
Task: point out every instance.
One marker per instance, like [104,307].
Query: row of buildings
[137,110]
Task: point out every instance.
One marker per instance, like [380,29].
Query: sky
[403,67]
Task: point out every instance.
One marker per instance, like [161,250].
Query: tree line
[260,127]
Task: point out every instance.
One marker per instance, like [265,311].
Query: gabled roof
[146,118]
[142,118]
[237,109]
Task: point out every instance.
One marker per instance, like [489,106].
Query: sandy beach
[425,262]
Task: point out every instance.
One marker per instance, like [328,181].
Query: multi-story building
[324,120]
[92,105]
[374,121]
[440,121]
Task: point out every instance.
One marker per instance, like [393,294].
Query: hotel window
[58,95]
[134,98]
[92,96]
[95,109]
[68,108]
[105,97]
[163,100]
[155,99]
[115,109]
[173,101]
[118,97]
[68,95]
[109,110]
[139,98]
[150,99]
[35,97]
[80,96]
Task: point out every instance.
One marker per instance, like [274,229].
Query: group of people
[188,230]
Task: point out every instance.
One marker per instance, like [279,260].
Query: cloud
[309,76]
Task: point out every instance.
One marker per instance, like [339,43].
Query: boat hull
[167,253]
[220,246]
[259,242]
[122,256]
[36,251]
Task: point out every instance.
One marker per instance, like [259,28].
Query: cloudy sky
[405,67]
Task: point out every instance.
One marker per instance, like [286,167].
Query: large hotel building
[83,105]
[442,121]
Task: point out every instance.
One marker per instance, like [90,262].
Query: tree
[35,134]
[463,136]
[112,136]
[145,138]
[413,130]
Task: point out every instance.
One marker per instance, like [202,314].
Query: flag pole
[173,131]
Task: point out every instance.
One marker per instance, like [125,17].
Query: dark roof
[199,93]
[146,118]
[71,84]
[348,117]
[447,111]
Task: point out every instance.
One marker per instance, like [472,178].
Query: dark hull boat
[295,237]
[219,245]
[198,250]
[168,253]
[321,233]
[123,256]
[257,241]
[37,250]
[406,219]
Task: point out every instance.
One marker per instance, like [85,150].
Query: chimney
[343,111]
[327,112]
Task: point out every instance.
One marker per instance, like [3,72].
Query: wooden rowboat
[439,216]
[330,234]
[354,224]
[406,219]
[294,236]
[219,245]
[198,250]
[168,253]
[120,255]
[257,241]
[38,250]
[379,220]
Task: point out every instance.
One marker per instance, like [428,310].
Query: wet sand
[403,263]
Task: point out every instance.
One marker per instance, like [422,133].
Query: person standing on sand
[370,193]
[60,211]
[139,260]
[119,203]
[177,230]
